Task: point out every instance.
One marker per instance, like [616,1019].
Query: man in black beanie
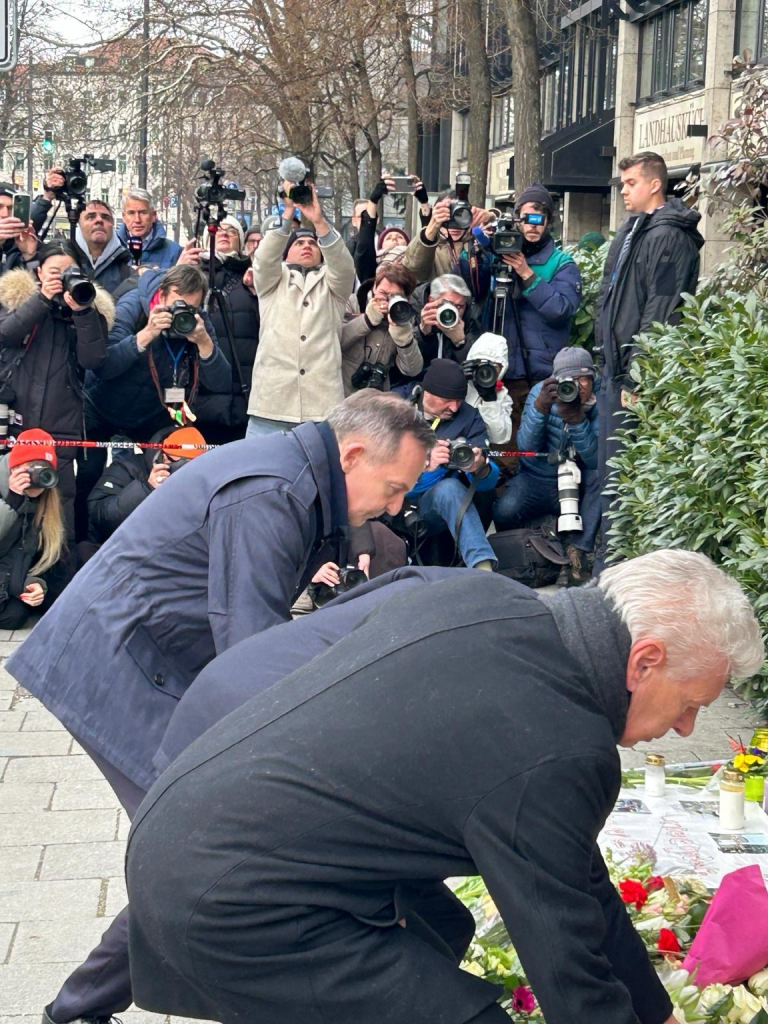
[441,494]
[547,293]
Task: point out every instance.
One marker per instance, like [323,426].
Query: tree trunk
[526,91]
[472,14]
[411,100]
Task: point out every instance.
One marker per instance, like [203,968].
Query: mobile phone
[402,185]
[21,204]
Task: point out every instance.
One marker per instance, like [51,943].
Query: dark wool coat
[214,555]
[459,735]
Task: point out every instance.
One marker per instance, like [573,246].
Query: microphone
[292,169]
[208,165]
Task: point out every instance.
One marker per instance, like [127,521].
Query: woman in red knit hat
[31,525]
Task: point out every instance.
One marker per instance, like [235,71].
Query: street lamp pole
[144,100]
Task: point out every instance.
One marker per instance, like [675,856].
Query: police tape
[10,442]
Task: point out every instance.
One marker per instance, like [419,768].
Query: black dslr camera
[211,191]
[41,474]
[76,175]
[78,286]
[349,577]
[183,319]
[462,455]
[508,238]
[461,211]
[370,375]
[481,372]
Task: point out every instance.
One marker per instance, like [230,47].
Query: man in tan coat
[303,279]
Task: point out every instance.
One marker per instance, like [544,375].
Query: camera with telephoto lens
[401,312]
[462,455]
[567,390]
[212,191]
[183,319]
[448,315]
[349,577]
[41,474]
[76,174]
[481,372]
[568,480]
[293,169]
[79,287]
[370,375]
[461,211]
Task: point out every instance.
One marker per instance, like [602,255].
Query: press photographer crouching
[560,417]
[484,368]
[442,499]
[383,336]
[31,525]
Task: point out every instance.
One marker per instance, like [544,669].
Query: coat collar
[322,452]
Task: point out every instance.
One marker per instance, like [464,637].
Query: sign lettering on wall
[663,128]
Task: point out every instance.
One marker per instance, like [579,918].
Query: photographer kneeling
[440,495]
[31,525]
[383,336]
[552,424]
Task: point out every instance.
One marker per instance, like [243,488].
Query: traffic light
[48,140]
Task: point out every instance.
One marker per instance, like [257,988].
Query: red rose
[633,892]
[654,883]
[668,941]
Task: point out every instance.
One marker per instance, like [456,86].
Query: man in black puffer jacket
[224,417]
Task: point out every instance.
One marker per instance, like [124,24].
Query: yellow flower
[743,762]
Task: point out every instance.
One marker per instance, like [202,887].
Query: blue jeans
[438,508]
[528,496]
[260,427]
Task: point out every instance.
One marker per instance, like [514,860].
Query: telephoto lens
[401,312]
[78,286]
[567,390]
[448,315]
[41,474]
[568,480]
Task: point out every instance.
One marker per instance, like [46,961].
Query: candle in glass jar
[732,801]
[655,778]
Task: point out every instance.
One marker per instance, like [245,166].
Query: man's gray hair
[699,612]
[141,195]
[449,283]
[384,419]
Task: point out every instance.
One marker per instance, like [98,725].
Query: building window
[19,161]
[105,196]
[122,163]
[751,31]
[582,86]
[503,122]
[672,49]
[463,134]
[47,163]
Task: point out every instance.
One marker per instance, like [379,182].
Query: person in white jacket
[493,403]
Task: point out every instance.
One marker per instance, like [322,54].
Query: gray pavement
[62,842]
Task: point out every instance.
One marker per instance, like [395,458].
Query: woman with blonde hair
[31,525]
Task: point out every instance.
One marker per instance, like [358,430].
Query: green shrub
[591,266]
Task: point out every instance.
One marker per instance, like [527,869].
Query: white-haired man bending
[474,731]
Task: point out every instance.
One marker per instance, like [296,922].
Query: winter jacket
[540,433]
[438,345]
[660,265]
[545,307]
[157,250]
[241,308]
[366,337]
[110,269]
[55,347]
[297,373]
[448,734]
[497,415]
[122,389]
[468,424]
[217,553]
[19,539]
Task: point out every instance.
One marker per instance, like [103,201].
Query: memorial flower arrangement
[748,760]
[666,913]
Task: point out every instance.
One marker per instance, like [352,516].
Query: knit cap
[42,450]
[445,379]
[573,362]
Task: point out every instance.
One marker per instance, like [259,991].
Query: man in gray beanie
[561,420]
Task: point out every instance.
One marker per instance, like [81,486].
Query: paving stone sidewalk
[62,842]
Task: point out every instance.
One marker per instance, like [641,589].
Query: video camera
[211,192]
[508,239]
[76,174]
[461,211]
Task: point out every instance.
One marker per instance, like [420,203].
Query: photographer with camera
[54,327]
[547,293]
[560,416]
[484,367]
[31,525]
[303,279]
[18,240]
[391,244]
[444,502]
[383,336]
[442,317]
[109,261]
[140,225]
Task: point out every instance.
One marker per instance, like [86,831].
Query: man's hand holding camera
[53,183]
[313,212]
[429,322]
[440,455]
[201,338]
[159,472]
[569,412]
[159,320]
[441,212]
[517,261]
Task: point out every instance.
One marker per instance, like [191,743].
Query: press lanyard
[175,359]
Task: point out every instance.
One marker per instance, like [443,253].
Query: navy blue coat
[215,555]
[122,389]
[157,250]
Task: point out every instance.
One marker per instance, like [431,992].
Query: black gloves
[421,196]
[547,397]
[378,191]
[488,394]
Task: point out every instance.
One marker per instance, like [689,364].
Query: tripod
[74,206]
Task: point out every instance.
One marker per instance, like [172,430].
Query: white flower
[472,967]
[745,1006]
[758,983]
[713,994]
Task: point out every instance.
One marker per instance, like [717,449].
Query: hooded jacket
[54,347]
[496,415]
[122,389]
[112,267]
[645,287]
[157,250]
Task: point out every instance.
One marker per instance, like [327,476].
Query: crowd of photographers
[122,335]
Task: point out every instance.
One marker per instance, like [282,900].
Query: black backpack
[532,555]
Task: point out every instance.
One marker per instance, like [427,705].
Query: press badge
[174,395]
